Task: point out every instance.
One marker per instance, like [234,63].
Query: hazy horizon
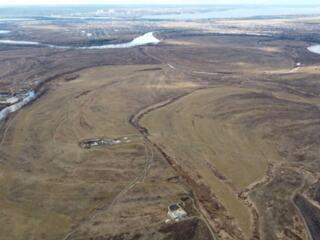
[158,2]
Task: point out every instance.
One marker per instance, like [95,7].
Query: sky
[59,2]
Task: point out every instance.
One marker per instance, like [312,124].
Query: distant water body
[240,12]
[145,39]
[314,49]
[15,19]
[13,42]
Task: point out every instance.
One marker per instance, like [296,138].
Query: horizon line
[161,4]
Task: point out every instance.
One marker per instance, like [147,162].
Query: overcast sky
[33,2]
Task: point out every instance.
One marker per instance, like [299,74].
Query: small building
[176,212]
[90,143]
[12,100]
[8,100]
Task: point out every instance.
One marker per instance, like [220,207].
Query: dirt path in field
[134,121]
[106,207]
[199,206]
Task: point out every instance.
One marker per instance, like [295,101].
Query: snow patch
[29,96]
[314,49]
[145,39]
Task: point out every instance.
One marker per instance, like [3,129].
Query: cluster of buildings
[9,98]
[89,143]
[176,213]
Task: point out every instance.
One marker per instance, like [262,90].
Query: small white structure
[298,64]
[12,100]
[176,213]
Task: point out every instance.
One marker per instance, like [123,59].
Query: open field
[203,144]
[232,139]
[85,188]
[221,116]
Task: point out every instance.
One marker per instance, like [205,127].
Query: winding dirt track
[134,121]
[150,147]
[140,178]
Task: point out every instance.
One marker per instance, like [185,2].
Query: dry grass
[50,185]
[255,110]
[188,131]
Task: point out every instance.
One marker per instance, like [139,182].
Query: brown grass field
[58,186]
[226,124]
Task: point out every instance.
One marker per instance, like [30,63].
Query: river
[4,31]
[145,39]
